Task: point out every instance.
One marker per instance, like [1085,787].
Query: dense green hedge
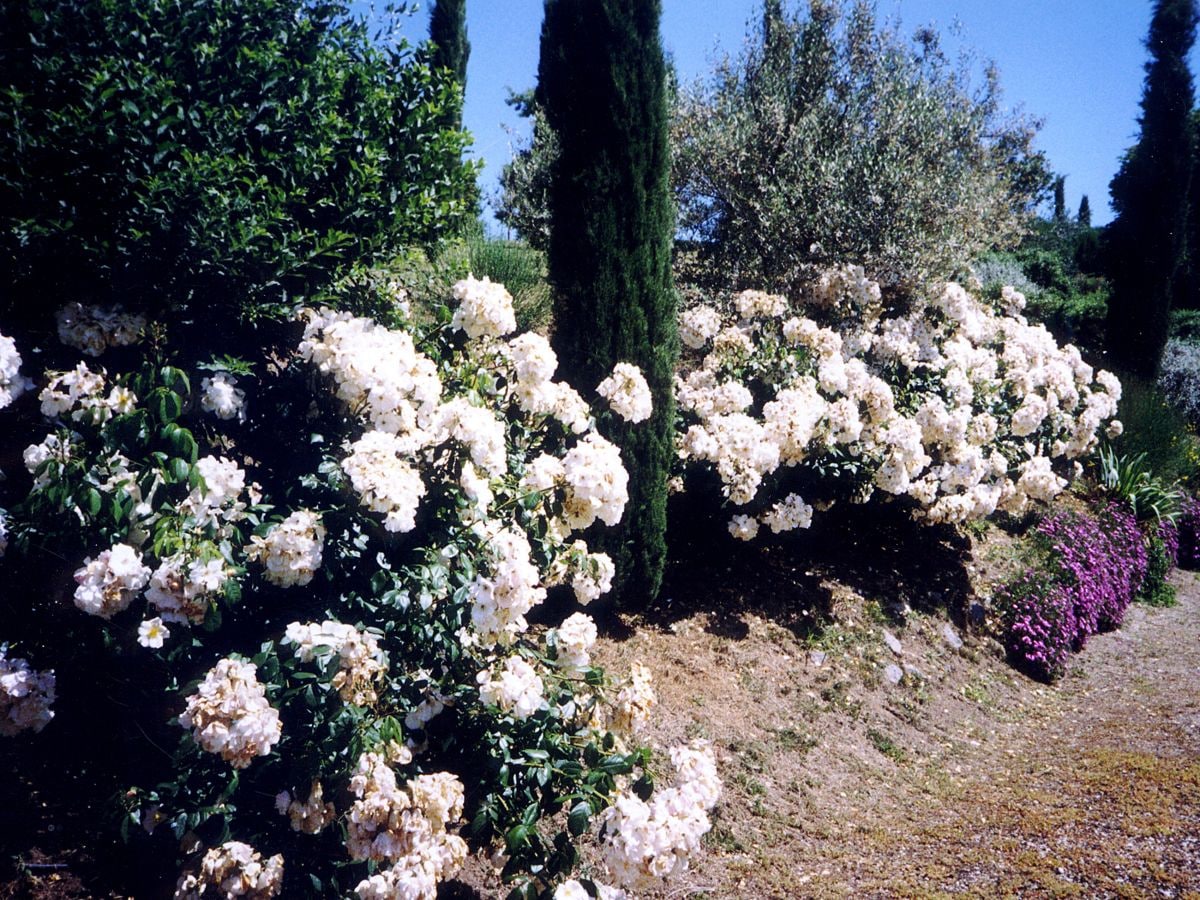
[211,153]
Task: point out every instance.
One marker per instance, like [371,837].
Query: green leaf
[579,817]
[180,469]
[166,405]
[516,838]
[91,501]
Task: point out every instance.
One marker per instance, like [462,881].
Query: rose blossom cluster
[955,404]
[311,816]
[52,447]
[533,363]
[517,689]
[361,661]
[221,396]
[477,430]
[25,696]
[229,714]
[290,551]
[485,309]
[631,708]
[108,583]
[593,574]
[384,481]
[217,502]
[233,870]
[573,641]
[574,890]
[377,372]
[93,329]
[180,589]
[12,383]
[597,485]
[80,394]
[627,393]
[404,826]
[509,589]
[432,704]
[645,842]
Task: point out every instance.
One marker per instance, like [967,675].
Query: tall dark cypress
[1060,198]
[1187,288]
[1150,195]
[1085,212]
[451,49]
[602,84]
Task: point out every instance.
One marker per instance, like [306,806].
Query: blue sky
[1076,64]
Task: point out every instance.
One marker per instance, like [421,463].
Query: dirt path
[968,780]
[1097,794]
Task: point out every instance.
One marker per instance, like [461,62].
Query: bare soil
[965,779]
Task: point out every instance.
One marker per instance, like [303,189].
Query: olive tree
[832,138]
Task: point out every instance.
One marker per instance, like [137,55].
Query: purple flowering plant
[1089,567]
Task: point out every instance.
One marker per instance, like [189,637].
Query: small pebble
[951,636]
[893,642]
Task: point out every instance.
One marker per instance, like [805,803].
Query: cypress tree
[1187,290]
[602,83]
[1150,194]
[451,49]
[1085,212]
[1060,198]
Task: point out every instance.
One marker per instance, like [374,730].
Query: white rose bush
[327,609]
[330,603]
[948,401]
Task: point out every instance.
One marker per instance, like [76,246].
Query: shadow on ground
[877,552]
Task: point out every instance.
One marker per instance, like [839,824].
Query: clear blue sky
[1076,64]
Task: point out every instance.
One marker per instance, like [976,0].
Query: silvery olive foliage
[830,138]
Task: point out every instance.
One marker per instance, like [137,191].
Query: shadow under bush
[877,550]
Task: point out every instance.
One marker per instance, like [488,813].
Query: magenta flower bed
[1094,566]
[1040,625]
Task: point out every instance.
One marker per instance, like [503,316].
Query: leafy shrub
[998,270]
[1162,556]
[1188,525]
[211,156]
[1091,568]
[831,139]
[1047,269]
[1074,317]
[950,402]
[302,642]
[1154,427]
[1129,479]
[1179,378]
[1185,324]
